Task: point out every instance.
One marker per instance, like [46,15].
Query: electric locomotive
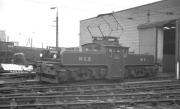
[104,58]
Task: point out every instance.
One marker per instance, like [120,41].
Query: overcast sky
[24,19]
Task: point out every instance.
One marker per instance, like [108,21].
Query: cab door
[117,63]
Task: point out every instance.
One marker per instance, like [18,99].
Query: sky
[25,19]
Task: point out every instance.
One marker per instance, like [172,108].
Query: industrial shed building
[148,29]
[2,35]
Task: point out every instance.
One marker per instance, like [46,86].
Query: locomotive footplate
[56,74]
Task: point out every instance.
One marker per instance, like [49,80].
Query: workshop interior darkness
[169,32]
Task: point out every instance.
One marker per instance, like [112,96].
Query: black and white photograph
[89,54]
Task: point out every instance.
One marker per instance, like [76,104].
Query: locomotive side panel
[135,59]
[81,58]
[140,66]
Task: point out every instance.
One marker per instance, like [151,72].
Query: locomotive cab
[116,52]
[93,47]
[112,48]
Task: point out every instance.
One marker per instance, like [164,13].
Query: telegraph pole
[57,31]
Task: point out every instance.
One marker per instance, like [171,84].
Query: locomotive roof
[114,46]
[92,43]
[87,52]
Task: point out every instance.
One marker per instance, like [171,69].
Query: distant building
[2,35]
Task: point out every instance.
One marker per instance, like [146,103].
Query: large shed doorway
[169,32]
[159,39]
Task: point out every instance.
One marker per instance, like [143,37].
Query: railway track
[86,100]
[73,87]
[36,83]
[16,77]
[129,93]
[32,94]
[65,90]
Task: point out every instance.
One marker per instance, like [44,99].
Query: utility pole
[57,32]
[31,41]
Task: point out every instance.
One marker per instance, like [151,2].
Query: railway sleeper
[100,98]
[87,91]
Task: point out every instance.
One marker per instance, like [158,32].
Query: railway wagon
[104,58]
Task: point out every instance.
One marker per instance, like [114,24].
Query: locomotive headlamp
[55,56]
[41,55]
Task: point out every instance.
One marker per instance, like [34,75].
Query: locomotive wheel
[151,72]
[75,75]
[103,73]
[139,72]
[132,72]
[136,72]
[87,74]
[63,75]
[84,74]
[98,73]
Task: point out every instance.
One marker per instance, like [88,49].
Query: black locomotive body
[104,58]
